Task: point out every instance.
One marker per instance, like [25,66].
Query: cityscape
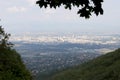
[46,54]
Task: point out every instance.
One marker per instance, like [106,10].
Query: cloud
[16,9]
[49,11]
[32,2]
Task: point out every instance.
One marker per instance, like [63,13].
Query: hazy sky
[25,16]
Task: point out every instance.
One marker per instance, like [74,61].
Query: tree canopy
[4,37]
[11,65]
[85,7]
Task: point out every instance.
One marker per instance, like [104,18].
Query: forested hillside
[106,67]
[11,65]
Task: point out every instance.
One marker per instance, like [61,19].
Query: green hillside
[106,67]
[11,66]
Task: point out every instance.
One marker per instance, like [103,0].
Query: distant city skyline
[20,16]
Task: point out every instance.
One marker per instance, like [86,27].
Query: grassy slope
[106,67]
[11,66]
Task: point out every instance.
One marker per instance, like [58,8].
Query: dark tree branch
[85,7]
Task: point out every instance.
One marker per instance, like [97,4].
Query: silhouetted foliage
[11,65]
[4,37]
[86,7]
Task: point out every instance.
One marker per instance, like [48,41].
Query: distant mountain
[106,67]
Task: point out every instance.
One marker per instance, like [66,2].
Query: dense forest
[12,67]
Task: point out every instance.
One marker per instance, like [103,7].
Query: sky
[21,16]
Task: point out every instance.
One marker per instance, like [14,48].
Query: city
[46,54]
